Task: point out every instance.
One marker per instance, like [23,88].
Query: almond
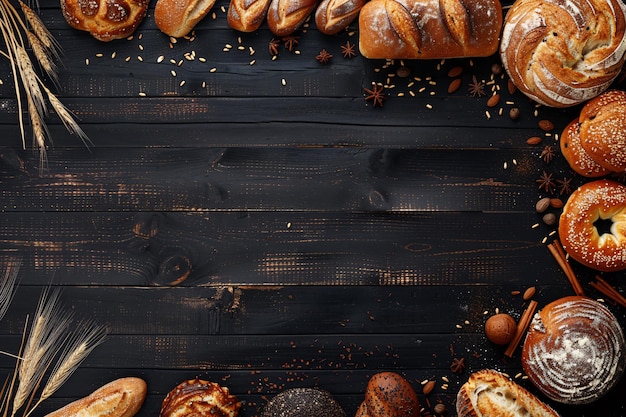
[556,203]
[493,100]
[529,293]
[454,85]
[542,205]
[511,87]
[455,72]
[546,125]
[428,387]
[535,140]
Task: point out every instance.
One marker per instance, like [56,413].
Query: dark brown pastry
[199,398]
[388,394]
[105,20]
[303,402]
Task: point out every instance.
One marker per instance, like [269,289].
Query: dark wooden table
[258,223]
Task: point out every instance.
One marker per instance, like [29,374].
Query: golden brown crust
[388,394]
[413,29]
[286,16]
[576,156]
[574,350]
[603,129]
[199,398]
[247,15]
[120,398]
[105,20]
[599,199]
[333,16]
[562,53]
[177,18]
[489,393]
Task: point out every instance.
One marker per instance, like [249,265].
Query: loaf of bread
[247,15]
[200,398]
[120,398]
[333,16]
[388,394]
[574,350]
[284,17]
[177,18]
[489,393]
[105,20]
[562,53]
[412,29]
[303,402]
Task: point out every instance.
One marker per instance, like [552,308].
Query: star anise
[458,365]
[348,50]
[291,42]
[565,185]
[273,46]
[376,95]
[324,57]
[546,182]
[477,88]
[547,154]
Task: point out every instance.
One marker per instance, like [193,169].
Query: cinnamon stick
[561,258]
[522,326]
[609,291]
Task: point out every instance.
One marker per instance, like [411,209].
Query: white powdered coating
[601,199]
[577,355]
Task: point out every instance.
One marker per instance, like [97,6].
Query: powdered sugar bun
[603,129]
[576,156]
[593,201]
[574,350]
[563,52]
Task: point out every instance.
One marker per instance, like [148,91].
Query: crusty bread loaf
[177,18]
[412,29]
[574,351]
[388,394]
[247,15]
[488,393]
[562,53]
[303,402]
[333,16]
[286,16]
[197,397]
[120,398]
[105,20]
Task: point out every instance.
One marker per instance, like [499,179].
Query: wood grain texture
[256,222]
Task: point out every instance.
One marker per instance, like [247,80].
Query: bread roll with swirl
[247,15]
[105,20]
[412,29]
[177,18]
[563,52]
[333,16]
[576,155]
[286,16]
[574,350]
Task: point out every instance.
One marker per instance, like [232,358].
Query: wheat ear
[8,286]
[39,29]
[66,117]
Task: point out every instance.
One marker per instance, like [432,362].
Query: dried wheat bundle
[53,347]
[22,30]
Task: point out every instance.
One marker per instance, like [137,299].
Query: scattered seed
[534,140]
[529,293]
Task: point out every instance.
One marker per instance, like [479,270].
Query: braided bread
[105,20]
[563,52]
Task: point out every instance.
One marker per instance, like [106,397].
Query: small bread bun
[303,402]
[489,393]
[105,20]
[603,129]
[574,350]
[177,18]
[576,156]
[120,398]
[286,16]
[247,15]
[200,398]
[599,200]
[388,394]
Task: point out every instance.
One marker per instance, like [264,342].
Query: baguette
[247,15]
[120,398]
[333,16]
[177,18]
[285,16]
[428,29]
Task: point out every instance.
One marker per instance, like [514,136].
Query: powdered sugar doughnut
[594,203]
[574,350]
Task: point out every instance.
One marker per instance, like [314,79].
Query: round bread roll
[105,20]
[594,203]
[388,394]
[576,156]
[562,53]
[200,398]
[574,350]
[489,393]
[303,402]
[603,129]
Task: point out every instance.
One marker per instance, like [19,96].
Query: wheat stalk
[8,285]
